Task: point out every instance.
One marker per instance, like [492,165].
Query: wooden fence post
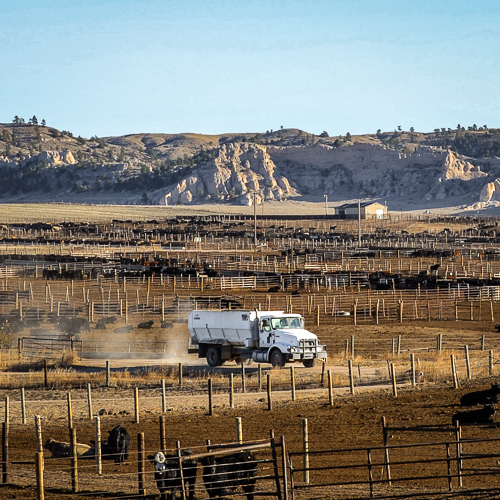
[243,379]
[89,401]
[136,405]
[412,368]
[292,382]
[39,465]
[467,361]
[394,385]
[23,406]
[7,410]
[239,430]
[98,448]
[39,462]
[385,432]
[490,363]
[231,390]
[70,412]
[458,437]
[180,375]
[352,346]
[163,435]
[210,401]
[5,452]
[269,399]
[141,463]
[108,373]
[454,371]
[163,397]
[330,388]
[351,376]
[45,374]
[305,448]
[74,462]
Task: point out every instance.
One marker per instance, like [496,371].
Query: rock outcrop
[238,172]
[360,170]
[55,157]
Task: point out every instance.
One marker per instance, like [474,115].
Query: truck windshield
[278,323]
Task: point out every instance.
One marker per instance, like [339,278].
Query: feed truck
[262,336]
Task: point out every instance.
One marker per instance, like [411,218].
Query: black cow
[72,325]
[498,328]
[108,320]
[146,325]
[100,325]
[166,324]
[222,474]
[484,397]
[117,445]
[482,416]
[50,274]
[168,474]
[123,329]
[274,289]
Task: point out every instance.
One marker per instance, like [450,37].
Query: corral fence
[48,347]
[258,465]
[429,468]
[173,298]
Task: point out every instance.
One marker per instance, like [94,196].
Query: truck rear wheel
[309,363]
[276,358]
[213,356]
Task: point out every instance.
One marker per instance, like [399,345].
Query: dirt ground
[351,421]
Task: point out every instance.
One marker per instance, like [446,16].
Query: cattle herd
[221,474]
[487,398]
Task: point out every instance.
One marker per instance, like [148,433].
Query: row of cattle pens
[261,230]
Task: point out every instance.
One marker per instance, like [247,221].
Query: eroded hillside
[405,168]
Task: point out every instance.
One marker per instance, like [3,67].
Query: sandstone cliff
[360,170]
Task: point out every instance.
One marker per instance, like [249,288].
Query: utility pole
[359,223]
[255,219]
[326,203]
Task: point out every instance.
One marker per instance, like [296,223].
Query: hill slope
[406,169]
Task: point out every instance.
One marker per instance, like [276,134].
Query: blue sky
[118,67]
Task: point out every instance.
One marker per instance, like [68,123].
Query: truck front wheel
[309,363]
[213,356]
[276,358]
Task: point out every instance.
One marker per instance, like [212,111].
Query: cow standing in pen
[117,445]
[168,474]
[222,474]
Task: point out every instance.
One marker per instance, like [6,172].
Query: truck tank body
[235,326]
